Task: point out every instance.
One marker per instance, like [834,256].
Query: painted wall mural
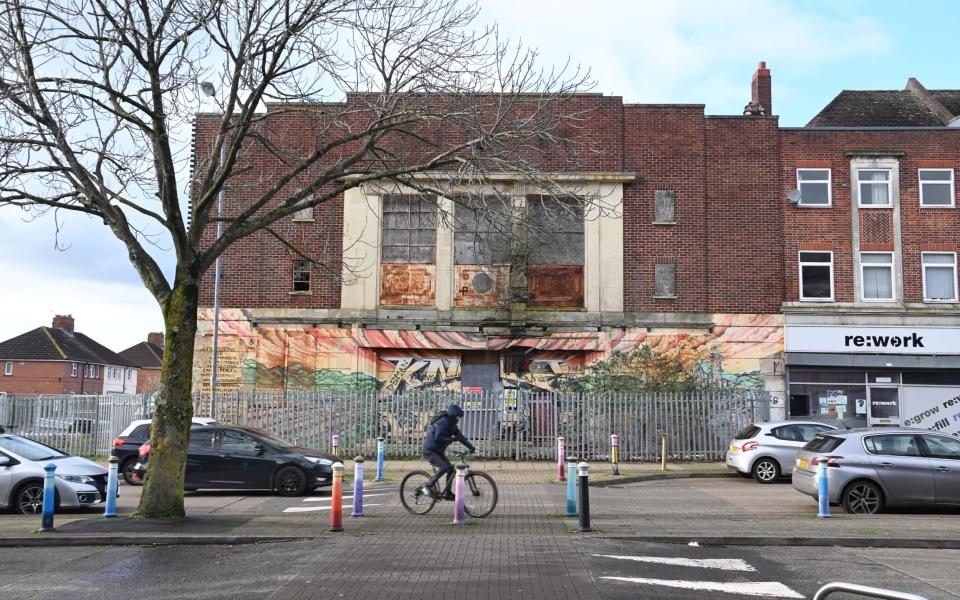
[282,356]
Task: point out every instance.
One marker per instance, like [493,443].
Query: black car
[127,444]
[248,458]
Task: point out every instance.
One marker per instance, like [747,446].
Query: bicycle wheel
[480,494]
[412,499]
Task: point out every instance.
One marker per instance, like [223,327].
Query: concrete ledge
[843,542]
[46,540]
[620,480]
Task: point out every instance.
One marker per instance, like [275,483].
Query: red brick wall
[148,381]
[43,377]
[832,226]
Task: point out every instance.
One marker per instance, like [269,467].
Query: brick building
[148,358]
[59,360]
[695,241]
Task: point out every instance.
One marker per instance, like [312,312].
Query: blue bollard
[49,497]
[110,510]
[357,487]
[379,459]
[571,487]
[823,491]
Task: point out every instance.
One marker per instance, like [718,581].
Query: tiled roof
[47,343]
[884,108]
[144,355]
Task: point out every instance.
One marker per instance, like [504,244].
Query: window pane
[817,257]
[813,174]
[873,194]
[942,447]
[877,283]
[939,283]
[893,445]
[395,254]
[816,282]
[421,254]
[939,259]
[938,175]
[558,249]
[878,259]
[877,175]
[936,194]
[814,193]
[396,237]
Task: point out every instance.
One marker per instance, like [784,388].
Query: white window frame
[828,181]
[73,369]
[889,183]
[923,268]
[953,197]
[801,264]
[893,278]
[8,368]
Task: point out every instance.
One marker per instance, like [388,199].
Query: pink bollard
[561,461]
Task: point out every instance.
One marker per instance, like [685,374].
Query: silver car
[766,451]
[79,482]
[868,469]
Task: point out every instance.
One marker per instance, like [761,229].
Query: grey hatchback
[868,469]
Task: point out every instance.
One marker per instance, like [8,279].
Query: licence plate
[803,463]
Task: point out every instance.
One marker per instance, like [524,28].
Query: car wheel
[766,470]
[290,481]
[862,498]
[126,470]
[29,499]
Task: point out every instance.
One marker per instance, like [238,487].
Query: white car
[766,451]
[79,482]
[137,433]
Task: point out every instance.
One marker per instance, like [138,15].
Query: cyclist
[442,433]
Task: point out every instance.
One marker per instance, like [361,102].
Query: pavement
[699,502]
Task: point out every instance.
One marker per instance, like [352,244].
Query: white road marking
[327,498]
[724,564]
[773,589]
[295,509]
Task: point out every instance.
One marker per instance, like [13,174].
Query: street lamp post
[209,90]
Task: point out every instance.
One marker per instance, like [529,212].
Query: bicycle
[480,491]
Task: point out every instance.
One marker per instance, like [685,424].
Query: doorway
[884,405]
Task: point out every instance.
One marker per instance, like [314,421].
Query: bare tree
[93,94]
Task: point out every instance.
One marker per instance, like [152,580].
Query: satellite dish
[793,196]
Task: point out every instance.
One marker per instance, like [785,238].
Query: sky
[688,51]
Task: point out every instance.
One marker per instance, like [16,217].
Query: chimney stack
[762,95]
[155,338]
[64,322]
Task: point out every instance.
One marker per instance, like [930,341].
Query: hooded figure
[441,434]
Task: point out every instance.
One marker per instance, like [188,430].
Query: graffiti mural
[330,357]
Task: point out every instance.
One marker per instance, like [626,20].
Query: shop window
[876,269]
[816,276]
[409,229]
[814,186]
[874,188]
[831,401]
[301,276]
[939,277]
[936,188]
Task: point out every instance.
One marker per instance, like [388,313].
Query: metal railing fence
[698,426]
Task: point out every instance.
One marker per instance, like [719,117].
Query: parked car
[129,441]
[248,458]
[766,451]
[870,469]
[79,482]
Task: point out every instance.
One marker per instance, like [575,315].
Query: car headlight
[77,479]
[319,461]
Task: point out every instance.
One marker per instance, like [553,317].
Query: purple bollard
[357,487]
[459,515]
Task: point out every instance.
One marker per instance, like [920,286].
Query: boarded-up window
[663,206]
[301,276]
[481,231]
[409,229]
[556,230]
[666,274]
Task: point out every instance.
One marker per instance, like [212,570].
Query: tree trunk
[162,496]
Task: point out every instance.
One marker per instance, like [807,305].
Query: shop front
[875,376]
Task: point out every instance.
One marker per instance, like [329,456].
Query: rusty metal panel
[555,285]
[481,286]
[408,284]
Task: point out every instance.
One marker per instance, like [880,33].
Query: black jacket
[445,431]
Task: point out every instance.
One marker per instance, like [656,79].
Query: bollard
[561,476]
[357,487]
[583,472]
[336,498]
[663,453]
[110,510]
[823,491]
[49,497]
[335,442]
[615,453]
[379,459]
[571,487]
[459,515]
